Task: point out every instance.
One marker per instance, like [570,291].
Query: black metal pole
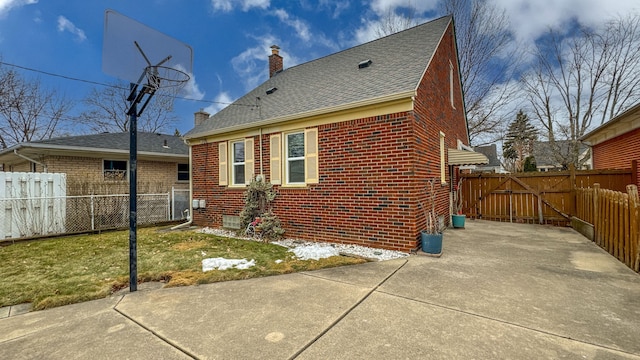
[133,192]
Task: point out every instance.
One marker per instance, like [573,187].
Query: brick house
[616,143]
[99,163]
[349,141]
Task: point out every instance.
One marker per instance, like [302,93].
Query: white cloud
[531,19]
[245,5]
[221,101]
[301,28]
[191,89]
[381,7]
[7,5]
[252,64]
[65,25]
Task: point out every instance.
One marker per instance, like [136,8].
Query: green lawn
[71,269]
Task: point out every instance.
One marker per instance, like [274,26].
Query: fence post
[173,203]
[596,213]
[572,194]
[634,218]
[93,224]
[168,206]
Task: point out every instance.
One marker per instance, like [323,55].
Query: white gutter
[15,151]
[190,198]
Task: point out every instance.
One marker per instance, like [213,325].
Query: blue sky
[231,38]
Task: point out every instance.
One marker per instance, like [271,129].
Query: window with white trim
[443,160]
[294,164]
[451,85]
[237,163]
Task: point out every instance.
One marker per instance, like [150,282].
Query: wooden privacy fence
[615,217]
[543,198]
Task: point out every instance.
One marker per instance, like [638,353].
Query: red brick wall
[373,172]
[617,153]
[434,114]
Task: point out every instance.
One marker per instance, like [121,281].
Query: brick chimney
[275,61]
[200,117]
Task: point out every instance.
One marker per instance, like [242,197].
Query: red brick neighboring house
[349,140]
[616,143]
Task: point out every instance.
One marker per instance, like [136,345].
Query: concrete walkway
[500,291]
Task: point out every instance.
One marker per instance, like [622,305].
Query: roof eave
[72,150]
[302,115]
[599,135]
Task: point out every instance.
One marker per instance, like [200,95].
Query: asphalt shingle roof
[147,142]
[398,63]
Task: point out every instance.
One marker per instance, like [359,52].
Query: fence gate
[32,204]
[541,198]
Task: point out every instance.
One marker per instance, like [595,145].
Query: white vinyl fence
[32,204]
[35,204]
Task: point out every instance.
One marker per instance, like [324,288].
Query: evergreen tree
[519,141]
[530,164]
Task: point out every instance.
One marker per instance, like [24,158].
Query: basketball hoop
[159,76]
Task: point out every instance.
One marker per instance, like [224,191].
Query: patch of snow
[318,250]
[224,264]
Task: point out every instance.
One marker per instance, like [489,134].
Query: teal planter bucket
[458,221]
[431,243]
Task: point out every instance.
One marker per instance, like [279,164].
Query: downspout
[190,195]
[15,151]
[261,172]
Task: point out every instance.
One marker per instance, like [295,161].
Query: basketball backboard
[129,47]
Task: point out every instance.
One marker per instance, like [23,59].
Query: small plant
[433,224]
[257,212]
[270,226]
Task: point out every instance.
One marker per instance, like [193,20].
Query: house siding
[85,175]
[374,171]
[618,153]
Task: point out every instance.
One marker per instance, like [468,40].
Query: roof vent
[271,90]
[364,64]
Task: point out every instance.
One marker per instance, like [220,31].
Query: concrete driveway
[500,291]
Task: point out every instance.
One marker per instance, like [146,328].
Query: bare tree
[28,112]
[391,22]
[487,59]
[593,75]
[107,107]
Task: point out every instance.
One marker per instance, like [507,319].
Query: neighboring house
[100,163]
[491,152]
[557,157]
[349,140]
[616,143]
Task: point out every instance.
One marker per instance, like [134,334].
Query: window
[443,162]
[451,84]
[183,172]
[294,145]
[237,163]
[115,170]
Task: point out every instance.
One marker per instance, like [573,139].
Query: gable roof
[150,146]
[335,82]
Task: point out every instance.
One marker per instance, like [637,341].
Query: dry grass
[73,269]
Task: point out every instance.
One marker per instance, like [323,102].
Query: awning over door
[464,157]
